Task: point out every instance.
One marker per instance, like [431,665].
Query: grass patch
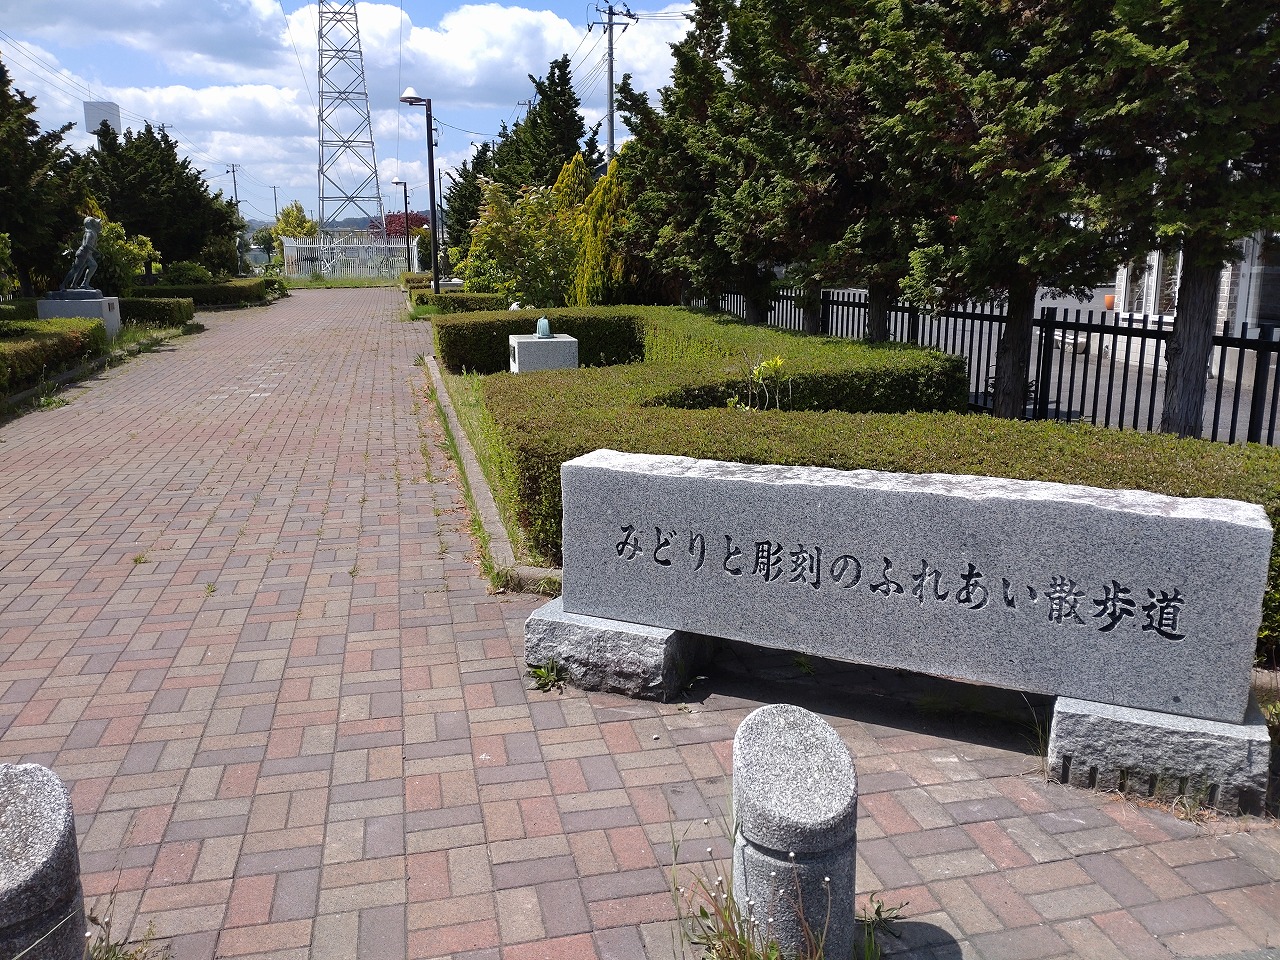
[339,283]
[467,397]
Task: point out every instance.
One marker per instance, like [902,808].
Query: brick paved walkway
[242,619]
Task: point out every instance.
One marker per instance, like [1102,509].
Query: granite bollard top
[794,784]
[795,806]
[41,907]
[1108,596]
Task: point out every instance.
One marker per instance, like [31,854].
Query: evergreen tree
[39,190]
[533,152]
[143,183]
[1190,91]
[464,198]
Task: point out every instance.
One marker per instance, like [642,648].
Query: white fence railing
[306,256]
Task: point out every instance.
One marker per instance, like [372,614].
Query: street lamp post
[410,96]
[408,260]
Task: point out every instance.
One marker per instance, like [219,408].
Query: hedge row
[415,281]
[22,308]
[38,349]
[227,293]
[539,433]
[156,311]
[456,301]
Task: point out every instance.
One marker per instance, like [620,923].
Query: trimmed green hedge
[156,311]
[37,349]
[22,308]
[415,281]
[538,433]
[227,293]
[456,301]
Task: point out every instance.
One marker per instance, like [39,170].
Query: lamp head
[410,96]
[397,182]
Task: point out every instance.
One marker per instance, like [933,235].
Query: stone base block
[530,352]
[598,654]
[1161,755]
[106,309]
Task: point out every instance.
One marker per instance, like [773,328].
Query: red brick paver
[242,619]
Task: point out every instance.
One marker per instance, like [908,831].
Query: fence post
[1261,374]
[913,324]
[1048,317]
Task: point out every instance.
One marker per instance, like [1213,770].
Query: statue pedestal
[82,303]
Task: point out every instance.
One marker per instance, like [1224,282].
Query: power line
[477,133]
[289,29]
[609,23]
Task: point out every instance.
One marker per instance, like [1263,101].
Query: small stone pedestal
[795,798]
[41,903]
[530,352]
[598,654]
[1162,755]
[81,303]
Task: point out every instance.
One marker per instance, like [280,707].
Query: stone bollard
[795,800]
[41,904]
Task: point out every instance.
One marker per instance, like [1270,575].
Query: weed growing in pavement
[103,947]
[210,589]
[549,676]
[140,558]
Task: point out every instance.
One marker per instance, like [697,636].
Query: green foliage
[8,272]
[184,273]
[598,269]
[33,350]
[157,311]
[294,222]
[264,239]
[226,293]
[145,186]
[121,259]
[20,308]
[522,250]
[454,301]
[39,188]
[415,281]
[549,676]
[477,342]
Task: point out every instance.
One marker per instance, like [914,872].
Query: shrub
[478,341]
[185,273]
[16,310]
[227,293]
[455,301]
[157,311]
[415,281]
[36,349]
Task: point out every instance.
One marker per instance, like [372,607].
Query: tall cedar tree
[979,101]
[143,184]
[1194,87]
[39,190]
[678,161]
[463,199]
[532,153]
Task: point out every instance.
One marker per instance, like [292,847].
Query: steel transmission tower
[348,173]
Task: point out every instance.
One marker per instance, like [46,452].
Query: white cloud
[246,77]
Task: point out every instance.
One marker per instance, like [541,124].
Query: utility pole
[235,190]
[609,12]
[275,201]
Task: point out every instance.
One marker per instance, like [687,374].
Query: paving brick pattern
[242,619]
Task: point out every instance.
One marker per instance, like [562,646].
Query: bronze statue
[82,270]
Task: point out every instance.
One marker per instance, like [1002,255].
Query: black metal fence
[1106,369]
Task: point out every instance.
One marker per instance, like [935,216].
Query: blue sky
[235,80]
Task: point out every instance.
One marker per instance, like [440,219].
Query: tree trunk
[878,298]
[1013,354]
[757,295]
[811,307]
[1190,344]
